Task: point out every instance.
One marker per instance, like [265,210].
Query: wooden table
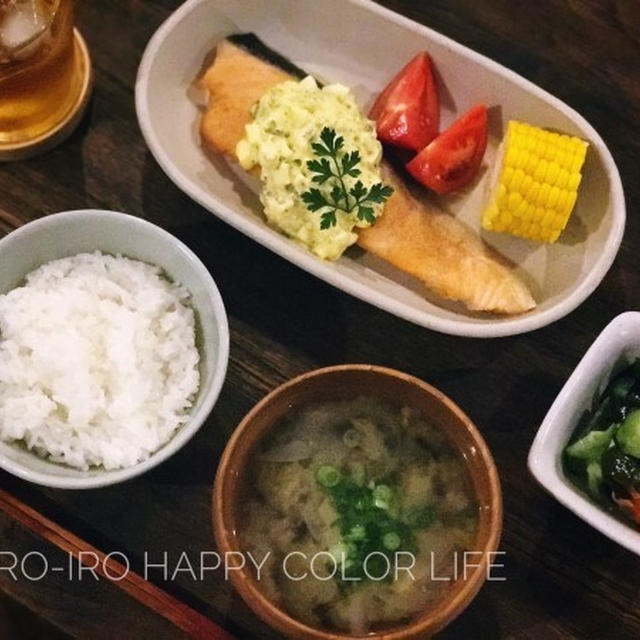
[564,580]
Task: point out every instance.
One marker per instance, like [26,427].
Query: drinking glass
[42,70]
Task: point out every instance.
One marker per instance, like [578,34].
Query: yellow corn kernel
[543,196]
[507,175]
[571,200]
[532,196]
[574,181]
[554,194]
[529,212]
[521,209]
[576,162]
[514,199]
[547,218]
[555,235]
[540,171]
[523,159]
[515,184]
[553,171]
[538,183]
[563,178]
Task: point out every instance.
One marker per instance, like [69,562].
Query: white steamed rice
[98,361]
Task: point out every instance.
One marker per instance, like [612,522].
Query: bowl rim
[544,458]
[493,327]
[225,482]
[219,365]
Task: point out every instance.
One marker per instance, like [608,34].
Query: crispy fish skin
[418,239]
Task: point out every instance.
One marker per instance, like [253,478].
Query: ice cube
[20,22]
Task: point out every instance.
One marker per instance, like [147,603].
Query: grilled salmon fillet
[421,240]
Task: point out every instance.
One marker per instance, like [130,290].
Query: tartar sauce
[285,122]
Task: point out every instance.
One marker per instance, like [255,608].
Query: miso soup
[361,513]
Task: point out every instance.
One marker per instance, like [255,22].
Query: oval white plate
[561,276]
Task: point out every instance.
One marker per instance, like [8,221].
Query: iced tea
[40,75]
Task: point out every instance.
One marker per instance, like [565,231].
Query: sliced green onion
[391,541]
[368,518]
[339,552]
[382,495]
[357,532]
[328,476]
[351,438]
[382,492]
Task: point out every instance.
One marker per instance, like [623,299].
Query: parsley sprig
[340,168]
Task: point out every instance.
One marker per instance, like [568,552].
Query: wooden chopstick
[179,614]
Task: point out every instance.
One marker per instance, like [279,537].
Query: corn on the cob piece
[538,183]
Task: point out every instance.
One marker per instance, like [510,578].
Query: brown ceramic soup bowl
[346,382]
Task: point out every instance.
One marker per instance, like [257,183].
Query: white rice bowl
[98,361]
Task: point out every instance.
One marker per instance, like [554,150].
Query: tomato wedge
[407,112]
[452,160]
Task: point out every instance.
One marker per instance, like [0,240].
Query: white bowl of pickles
[587,451]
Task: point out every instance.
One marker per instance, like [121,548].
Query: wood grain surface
[84,562]
[564,580]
